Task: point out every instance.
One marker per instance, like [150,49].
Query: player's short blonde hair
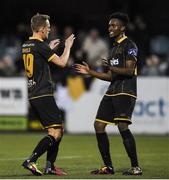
[38,21]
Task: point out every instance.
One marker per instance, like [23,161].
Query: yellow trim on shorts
[122,119]
[53,125]
[40,96]
[121,94]
[51,57]
[99,120]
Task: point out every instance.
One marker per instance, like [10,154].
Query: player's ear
[123,28]
[41,29]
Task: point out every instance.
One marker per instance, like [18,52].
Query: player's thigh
[57,133]
[48,111]
[123,106]
[105,111]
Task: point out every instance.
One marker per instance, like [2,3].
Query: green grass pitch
[79,155]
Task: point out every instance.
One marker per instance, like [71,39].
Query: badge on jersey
[133,51]
[114,62]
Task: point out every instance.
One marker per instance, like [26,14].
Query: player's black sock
[103,144]
[42,146]
[52,154]
[130,146]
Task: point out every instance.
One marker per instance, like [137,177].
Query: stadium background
[88,20]
[79,96]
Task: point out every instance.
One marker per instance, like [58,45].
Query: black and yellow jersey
[123,50]
[36,55]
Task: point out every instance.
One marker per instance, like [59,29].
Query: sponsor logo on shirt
[114,62]
[31,83]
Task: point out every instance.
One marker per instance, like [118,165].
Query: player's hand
[54,43]
[69,41]
[82,68]
[105,62]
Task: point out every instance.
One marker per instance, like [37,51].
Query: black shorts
[114,109]
[47,111]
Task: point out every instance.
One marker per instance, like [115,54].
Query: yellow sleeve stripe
[51,57]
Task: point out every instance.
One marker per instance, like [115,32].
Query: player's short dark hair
[123,17]
[38,21]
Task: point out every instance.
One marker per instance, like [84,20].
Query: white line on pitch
[23,158]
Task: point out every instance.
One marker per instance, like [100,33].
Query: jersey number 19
[28,63]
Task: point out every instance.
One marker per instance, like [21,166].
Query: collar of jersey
[122,39]
[36,38]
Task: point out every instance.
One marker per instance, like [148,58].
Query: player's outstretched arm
[62,60]
[84,69]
